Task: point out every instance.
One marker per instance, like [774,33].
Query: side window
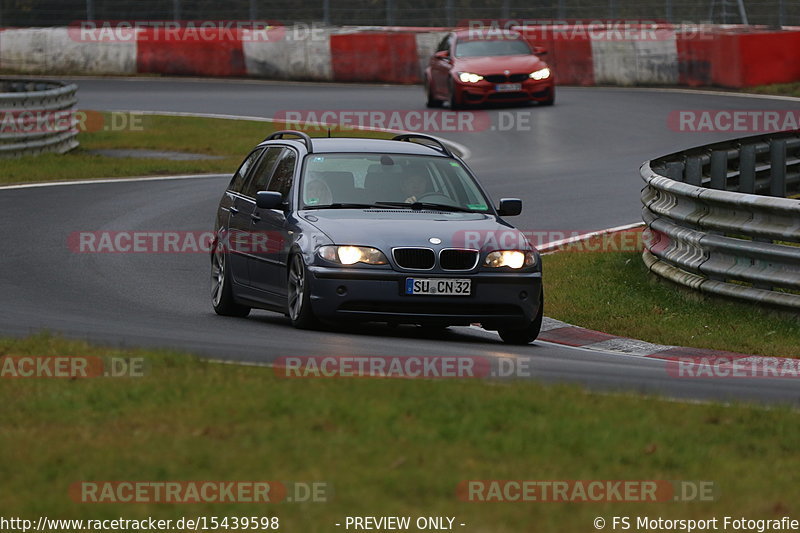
[259,177]
[444,44]
[239,177]
[284,173]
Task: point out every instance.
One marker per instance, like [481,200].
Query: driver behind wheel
[414,186]
[317,193]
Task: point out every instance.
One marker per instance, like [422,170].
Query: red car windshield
[492,48]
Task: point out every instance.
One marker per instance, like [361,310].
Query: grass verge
[397,447]
[228,139]
[613,292]
[778,89]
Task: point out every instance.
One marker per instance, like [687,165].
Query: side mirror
[509,207]
[442,54]
[269,199]
[540,50]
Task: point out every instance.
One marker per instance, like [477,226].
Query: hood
[390,228]
[497,64]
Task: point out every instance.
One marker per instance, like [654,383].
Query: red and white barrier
[662,55]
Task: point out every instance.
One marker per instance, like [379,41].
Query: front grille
[508,96]
[414,258]
[502,78]
[452,259]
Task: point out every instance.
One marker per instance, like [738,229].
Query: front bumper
[484,92]
[498,299]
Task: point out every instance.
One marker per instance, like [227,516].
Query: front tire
[455,103]
[222,287]
[432,102]
[550,100]
[527,334]
[299,295]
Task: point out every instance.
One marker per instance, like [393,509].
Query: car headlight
[350,255]
[469,77]
[541,74]
[510,258]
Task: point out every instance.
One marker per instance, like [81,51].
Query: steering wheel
[438,196]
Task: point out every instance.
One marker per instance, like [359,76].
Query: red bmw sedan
[478,67]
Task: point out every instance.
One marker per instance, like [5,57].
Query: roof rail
[303,137]
[439,144]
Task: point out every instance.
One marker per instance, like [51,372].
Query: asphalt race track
[576,169]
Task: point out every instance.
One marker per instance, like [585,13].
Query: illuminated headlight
[350,255]
[510,258]
[468,77]
[541,74]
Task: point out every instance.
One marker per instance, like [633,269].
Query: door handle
[255,217]
[233,210]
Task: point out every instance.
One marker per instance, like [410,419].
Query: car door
[440,67]
[270,230]
[239,237]
[234,217]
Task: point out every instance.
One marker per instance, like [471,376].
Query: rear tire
[299,295]
[527,334]
[222,287]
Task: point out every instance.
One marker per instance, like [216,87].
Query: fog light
[523,295]
[341,290]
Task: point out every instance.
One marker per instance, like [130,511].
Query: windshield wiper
[340,205]
[427,205]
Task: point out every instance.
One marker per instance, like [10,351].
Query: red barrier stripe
[220,55]
[769,57]
[694,60]
[370,57]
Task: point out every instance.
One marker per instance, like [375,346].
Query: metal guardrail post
[719,169]
[747,169]
[38,117]
[693,174]
[777,158]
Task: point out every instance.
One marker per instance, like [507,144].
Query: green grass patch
[778,89]
[229,139]
[613,292]
[398,447]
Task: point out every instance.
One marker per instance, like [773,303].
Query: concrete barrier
[724,56]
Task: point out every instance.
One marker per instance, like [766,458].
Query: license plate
[506,87]
[439,287]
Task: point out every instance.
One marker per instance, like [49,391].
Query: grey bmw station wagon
[396,231]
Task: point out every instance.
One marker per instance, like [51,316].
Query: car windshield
[388,180]
[480,48]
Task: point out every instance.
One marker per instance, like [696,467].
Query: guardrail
[37,117]
[719,218]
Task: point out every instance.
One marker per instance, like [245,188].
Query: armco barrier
[720,220]
[726,56]
[38,117]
